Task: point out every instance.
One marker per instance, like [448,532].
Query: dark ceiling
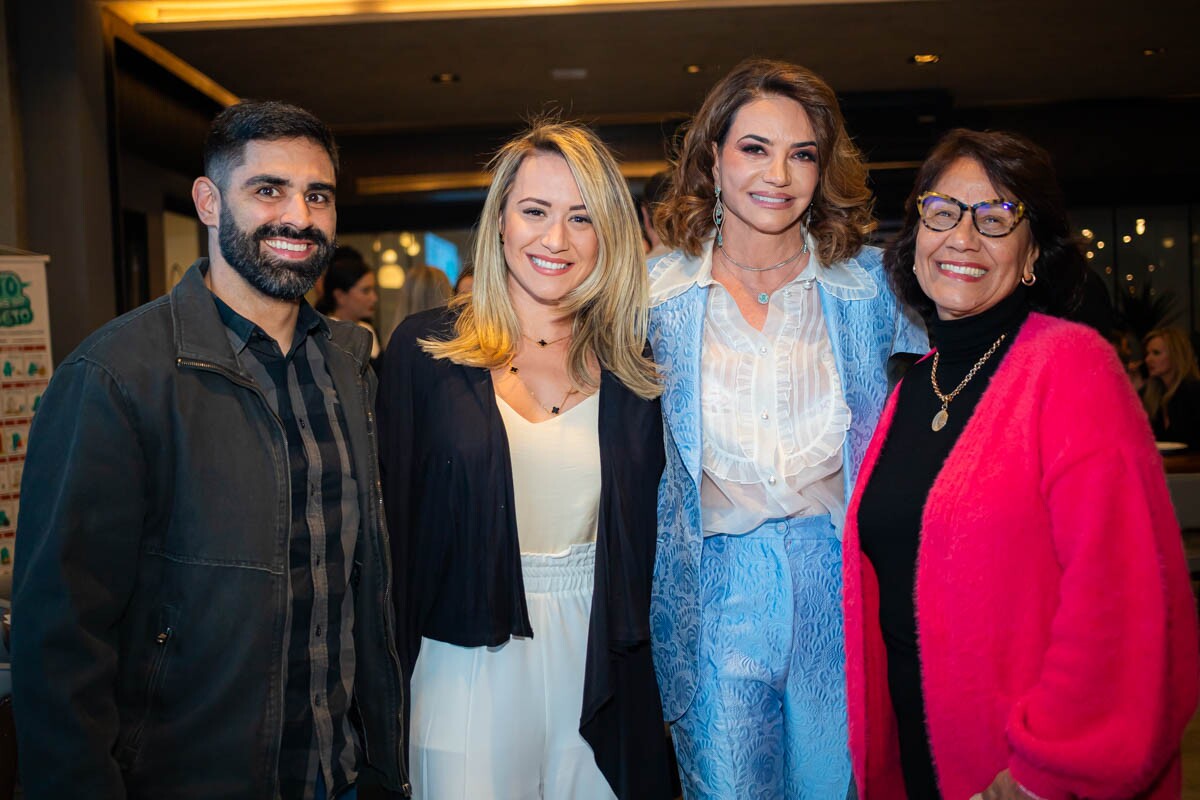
[376,75]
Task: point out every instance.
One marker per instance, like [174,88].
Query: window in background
[393,253]
[1147,256]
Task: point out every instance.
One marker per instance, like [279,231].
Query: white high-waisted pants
[502,723]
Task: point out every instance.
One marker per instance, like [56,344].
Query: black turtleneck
[889,515]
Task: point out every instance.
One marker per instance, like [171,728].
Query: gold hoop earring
[1029,280]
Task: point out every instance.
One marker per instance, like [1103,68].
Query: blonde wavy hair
[841,206]
[609,309]
[1158,393]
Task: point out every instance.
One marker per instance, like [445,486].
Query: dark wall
[1106,153]
[59,64]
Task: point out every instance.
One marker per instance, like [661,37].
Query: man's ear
[207,198]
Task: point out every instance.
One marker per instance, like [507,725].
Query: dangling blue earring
[719,217]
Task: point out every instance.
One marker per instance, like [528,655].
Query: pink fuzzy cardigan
[1056,625]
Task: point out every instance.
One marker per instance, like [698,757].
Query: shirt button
[318,631]
[302,425]
[765,415]
[763,350]
[771,480]
[781,527]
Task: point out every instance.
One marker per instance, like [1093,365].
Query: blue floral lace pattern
[769,717]
[864,330]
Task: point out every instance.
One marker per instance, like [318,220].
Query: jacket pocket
[160,648]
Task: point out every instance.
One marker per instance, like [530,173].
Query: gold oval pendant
[940,419]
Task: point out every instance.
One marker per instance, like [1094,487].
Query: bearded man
[201,596]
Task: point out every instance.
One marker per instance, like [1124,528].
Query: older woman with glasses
[1019,622]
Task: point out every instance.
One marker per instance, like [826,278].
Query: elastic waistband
[571,571]
[820,527]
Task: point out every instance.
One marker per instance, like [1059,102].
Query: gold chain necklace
[543,343]
[554,410]
[942,417]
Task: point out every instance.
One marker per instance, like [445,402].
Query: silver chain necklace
[749,268]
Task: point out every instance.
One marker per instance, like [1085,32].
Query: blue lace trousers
[769,717]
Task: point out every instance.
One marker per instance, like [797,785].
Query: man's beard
[274,277]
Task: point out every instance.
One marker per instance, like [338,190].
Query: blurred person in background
[521,450]
[1019,619]
[1171,393]
[465,282]
[772,323]
[349,292]
[424,287]
[653,193]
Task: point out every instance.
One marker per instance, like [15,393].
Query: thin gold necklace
[554,410]
[942,417]
[543,343]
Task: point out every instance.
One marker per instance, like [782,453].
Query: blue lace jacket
[866,326]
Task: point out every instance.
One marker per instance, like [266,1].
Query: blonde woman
[1172,391]
[521,447]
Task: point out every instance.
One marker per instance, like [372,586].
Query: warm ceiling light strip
[208,12]
[449,181]
[421,182]
[120,29]
[452,181]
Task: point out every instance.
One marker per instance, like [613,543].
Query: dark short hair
[258,121]
[1016,166]
[345,269]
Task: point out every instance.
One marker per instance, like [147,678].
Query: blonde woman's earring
[719,217]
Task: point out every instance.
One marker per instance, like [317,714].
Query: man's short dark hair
[259,120]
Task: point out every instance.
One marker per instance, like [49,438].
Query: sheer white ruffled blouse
[773,415]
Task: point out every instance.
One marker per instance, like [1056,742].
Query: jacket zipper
[152,685]
[389,613]
[252,386]
[402,751]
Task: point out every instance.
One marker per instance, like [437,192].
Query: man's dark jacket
[151,585]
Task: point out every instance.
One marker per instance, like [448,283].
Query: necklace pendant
[554,409]
[764,298]
[940,419]
[542,342]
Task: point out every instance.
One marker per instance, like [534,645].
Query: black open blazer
[448,498]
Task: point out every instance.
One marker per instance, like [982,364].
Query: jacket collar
[676,272]
[200,334]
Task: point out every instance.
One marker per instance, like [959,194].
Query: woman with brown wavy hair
[772,324]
